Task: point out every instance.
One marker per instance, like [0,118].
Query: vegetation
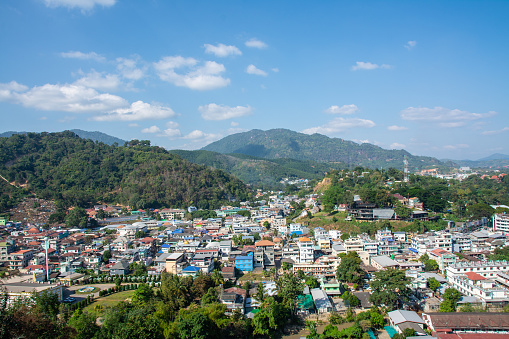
[349,269]
[79,172]
[389,288]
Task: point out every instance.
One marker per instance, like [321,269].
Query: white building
[306,250]
[501,222]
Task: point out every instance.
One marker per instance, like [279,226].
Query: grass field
[108,301]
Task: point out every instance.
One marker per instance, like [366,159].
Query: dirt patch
[33,211]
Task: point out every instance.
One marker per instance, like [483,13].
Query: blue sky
[427,76]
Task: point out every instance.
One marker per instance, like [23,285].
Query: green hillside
[80,172]
[94,136]
[259,172]
[282,143]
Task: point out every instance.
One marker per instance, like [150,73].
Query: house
[245,263]
[190,271]
[228,273]
[321,301]
[442,257]
[234,298]
[172,214]
[264,254]
[120,268]
[401,320]
[175,262]
[383,262]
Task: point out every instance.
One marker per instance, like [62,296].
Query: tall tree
[389,287]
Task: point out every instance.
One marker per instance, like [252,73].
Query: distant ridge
[283,143]
[95,136]
[496,156]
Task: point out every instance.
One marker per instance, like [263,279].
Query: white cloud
[411,44]
[172,124]
[339,125]
[222,112]
[361,65]
[133,125]
[138,110]
[251,69]
[343,110]
[129,68]
[275,70]
[202,78]
[255,43]
[444,117]
[505,129]
[82,56]
[151,129]
[10,91]
[43,118]
[234,124]
[171,133]
[397,128]
[99,81]
[84,5]
[66,98]
[222,50]
[396,145]
[458,146]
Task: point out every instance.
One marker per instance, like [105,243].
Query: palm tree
[217,277]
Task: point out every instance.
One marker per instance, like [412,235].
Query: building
[175,262]
[383,262]
[475,285]
[475,324]
[501,223]
[245,263]
[402,320]
[442,257]
[487,269]
[264,254]
[306,250]
[172,214]
[321,301]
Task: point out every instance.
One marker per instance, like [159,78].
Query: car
[69,300]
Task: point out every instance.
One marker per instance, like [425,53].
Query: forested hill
[81,172]
[94,136]
[283,143]
[259,172]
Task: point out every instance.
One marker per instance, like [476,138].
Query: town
[447,281]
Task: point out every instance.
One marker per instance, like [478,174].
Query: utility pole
[46,245]
[405,172]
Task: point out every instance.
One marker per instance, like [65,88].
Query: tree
[84,324]
[217,278]
[106,256]
[260,294]
[289,286]
[266,224]
[389,287]
[433,284]
[209,297]
[349,269]
[311,281]
[270,319]
[175,293]
[101,214]
[447,306]
[377,319]
[77,217]
[430,265]
[195,326]
[451,297]
[46,303]
[286,266]
[142,294]
[351,299]
[479,211]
